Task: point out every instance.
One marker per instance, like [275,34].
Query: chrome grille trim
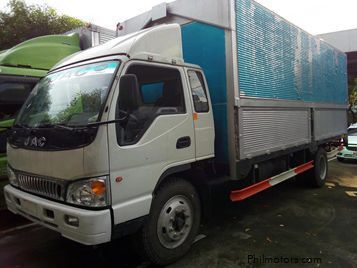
[41,186]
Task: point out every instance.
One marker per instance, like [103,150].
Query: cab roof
[161,43]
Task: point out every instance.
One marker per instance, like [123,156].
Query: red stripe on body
[304,167]
[250,191]
[245,193]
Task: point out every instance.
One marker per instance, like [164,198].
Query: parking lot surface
[286,226]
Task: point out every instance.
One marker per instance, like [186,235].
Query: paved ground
[289,223]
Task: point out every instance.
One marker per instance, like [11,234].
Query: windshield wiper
[79,127]
[59,126]
[89,125]
[19,126]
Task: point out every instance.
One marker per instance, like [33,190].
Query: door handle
[183,142]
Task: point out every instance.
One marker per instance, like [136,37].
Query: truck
[196,100]
[23,65]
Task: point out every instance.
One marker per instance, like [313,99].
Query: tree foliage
[22,22]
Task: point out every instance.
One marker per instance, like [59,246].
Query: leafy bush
[22,22]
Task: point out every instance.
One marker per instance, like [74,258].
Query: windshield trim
[104,104]
[110,57]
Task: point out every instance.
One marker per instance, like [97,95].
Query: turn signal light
[98,187]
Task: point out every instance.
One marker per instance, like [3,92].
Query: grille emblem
[35,142]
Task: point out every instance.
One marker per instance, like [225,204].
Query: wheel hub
[175,222]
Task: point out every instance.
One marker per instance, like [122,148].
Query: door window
[199,94]
[159,92]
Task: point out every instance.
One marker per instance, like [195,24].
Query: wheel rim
[323,168]
[175,222]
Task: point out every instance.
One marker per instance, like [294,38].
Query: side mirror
[129,95]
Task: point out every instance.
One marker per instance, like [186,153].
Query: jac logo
[35,141]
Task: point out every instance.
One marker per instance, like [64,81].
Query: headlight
[12,176]
[91,192]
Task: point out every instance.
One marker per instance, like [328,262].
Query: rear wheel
[316,177]
[340,159]
[321,168]
[173,222]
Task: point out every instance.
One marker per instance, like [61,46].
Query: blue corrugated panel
[204,45]
[277,60]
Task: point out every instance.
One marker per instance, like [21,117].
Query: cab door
[154,134]
[202,114]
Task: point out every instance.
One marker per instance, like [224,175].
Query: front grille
[354,149]
[41,186]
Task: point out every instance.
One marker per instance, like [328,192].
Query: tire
[320,169]
[173,222]
[316,177]
[340,159]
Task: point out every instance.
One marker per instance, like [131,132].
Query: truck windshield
[70,97]
[12,96]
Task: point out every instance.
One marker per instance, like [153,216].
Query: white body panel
[142,164]
[204,129]
[94,226]
[37,162]
[67,164]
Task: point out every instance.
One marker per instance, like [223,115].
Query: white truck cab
[98,133]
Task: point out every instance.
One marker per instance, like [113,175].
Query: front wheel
[173,222]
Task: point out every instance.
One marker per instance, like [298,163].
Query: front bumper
[94,226]
[347,154]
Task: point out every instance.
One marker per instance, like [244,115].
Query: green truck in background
[22,66]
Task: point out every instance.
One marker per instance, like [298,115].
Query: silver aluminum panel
[260,102]
[277,60]
[329,123]
[231,86]
[159,11]
[345,41]
[209,11]
[93,35]
[105,37]
[266,130]
[213,12]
